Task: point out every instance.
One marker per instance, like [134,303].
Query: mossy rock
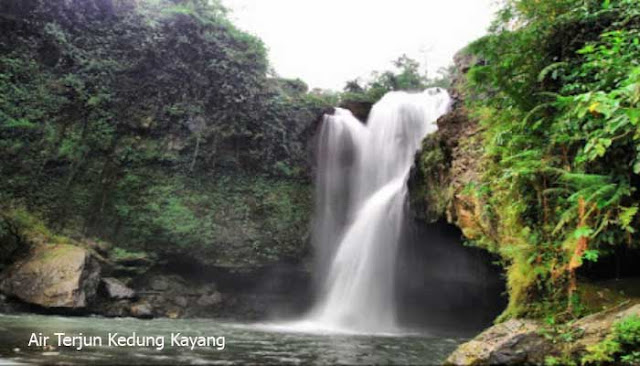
[509,343]
[522,341]
[53,276]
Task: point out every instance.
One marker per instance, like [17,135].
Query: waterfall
[360,204]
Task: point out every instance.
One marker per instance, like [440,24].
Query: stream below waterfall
[244,343]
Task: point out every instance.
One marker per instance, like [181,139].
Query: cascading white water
[360,196]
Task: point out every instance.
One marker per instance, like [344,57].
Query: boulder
[510,343]
[173,313]
[53,276]
[142,309]
[210,300]
[518,342]
[167,283]
[160,284]
[181,301]
[116,289]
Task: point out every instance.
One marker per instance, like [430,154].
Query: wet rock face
[60,276]
[173,296]
[448,162]
[360,109]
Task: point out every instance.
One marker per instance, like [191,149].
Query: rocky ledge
[78,278]
[531,342]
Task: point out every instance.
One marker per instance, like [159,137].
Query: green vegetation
[430,193]
[234,219]
[156,125]
[26,228]
[153,124]
[621,347]
[405,76]
[556,90]
[20,230]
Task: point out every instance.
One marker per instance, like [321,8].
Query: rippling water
[244,343]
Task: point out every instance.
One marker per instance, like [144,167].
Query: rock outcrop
[115,289]
[511,342]
[142,309]
[517,342]
[173,296]
[360,109]
[448,162]
[58,276]
[595,327]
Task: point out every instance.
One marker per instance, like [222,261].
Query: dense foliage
[556,88]
[153,124]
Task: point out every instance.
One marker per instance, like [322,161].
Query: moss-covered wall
[547,178]
[154,125]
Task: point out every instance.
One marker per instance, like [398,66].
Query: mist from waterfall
[360,204]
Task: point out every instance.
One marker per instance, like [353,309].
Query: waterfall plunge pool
[244,343]
[367,302]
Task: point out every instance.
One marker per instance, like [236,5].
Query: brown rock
[64,276]
[173,313]
[517,342]
[142,309]
[512,342]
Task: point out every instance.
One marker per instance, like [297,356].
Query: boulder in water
[142,309]
[58,276]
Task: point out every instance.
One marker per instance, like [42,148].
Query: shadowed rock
[116,289]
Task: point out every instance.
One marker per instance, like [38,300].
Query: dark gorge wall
[444,286]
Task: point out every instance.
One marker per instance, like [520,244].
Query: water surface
[244,343]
